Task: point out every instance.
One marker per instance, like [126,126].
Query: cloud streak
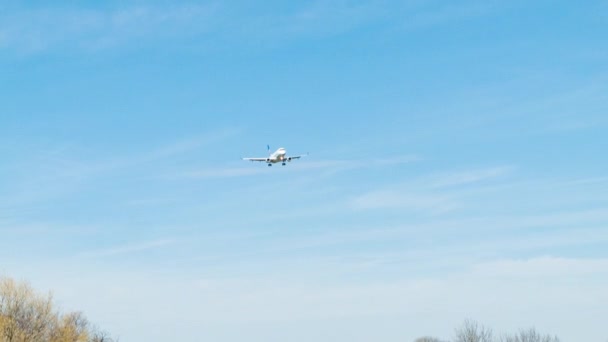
[389,199]
[469,177]
[306,164]
[62,170]
[448,14]
[38,30]
[43,29]
[428,193]
[543,267]
[132,248]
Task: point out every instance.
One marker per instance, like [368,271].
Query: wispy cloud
[468,177]
[405,200]
[220,173]
[186,145]
[62,169]
[543,267]
[485,235]
[449,13]
[320,18]
[429,194]
[92,29]
[131,248]
[307,164]
[35,30]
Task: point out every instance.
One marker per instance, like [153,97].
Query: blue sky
[457,166]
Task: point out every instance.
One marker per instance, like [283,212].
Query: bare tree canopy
[529,335]
[471,331]
[27,316]
[427,339]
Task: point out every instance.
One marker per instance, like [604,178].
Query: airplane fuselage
[278,156]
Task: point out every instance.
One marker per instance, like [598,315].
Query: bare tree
[71,327]
[101,336]
[529,335]
[427,339]
[26,316]
[471,331]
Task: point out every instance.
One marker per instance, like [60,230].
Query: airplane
[278,156]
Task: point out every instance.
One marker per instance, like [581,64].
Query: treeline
[471,331]
[26,316]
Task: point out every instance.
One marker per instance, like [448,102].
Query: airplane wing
[297,157]
[256,159]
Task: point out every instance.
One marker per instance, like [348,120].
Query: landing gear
[283,163]
[269,164]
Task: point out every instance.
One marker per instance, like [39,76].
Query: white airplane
[278,156]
